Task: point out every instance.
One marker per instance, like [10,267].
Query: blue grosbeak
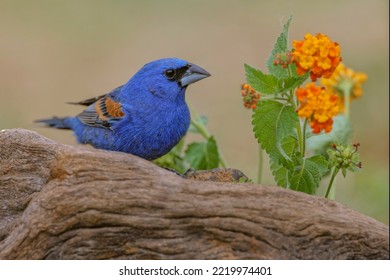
[146,117]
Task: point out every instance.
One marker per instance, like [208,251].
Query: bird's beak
[193,74]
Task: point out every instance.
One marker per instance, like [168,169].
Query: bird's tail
[55,122]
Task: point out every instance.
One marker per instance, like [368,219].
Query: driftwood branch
[62,202]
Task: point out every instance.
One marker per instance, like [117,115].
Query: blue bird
[146,117]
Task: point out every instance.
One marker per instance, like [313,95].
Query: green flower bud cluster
[345,157]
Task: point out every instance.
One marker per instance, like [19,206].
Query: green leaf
[279,47]
[272,122]
[203,156]
[341,133]
[173,159]
[263,83]
[321,163]
[245,180]
[307,173]
[280,173]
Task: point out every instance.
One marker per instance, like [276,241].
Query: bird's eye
[170,74]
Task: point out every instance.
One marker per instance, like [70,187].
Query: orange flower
[345,81]
[317,54]
[318,106]
[249,96]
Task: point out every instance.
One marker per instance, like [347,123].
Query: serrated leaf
[322,164]
[280,46]
[341,133]
[280,172]
[263,83]
[272,122]
[203,155]
[307,173]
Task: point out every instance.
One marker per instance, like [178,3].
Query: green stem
[300,139]
[304,138]
[301,136]
[347,101]
[346,87]
[335,171]
[278,98]
[201,129]
[346,104]
[260,166]
[197,123]
[289,71]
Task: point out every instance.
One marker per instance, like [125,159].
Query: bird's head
[167,78]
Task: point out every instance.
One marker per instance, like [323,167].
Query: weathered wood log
[63,202]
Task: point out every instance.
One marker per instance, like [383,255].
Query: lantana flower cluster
[317,106]
[345,81]
[250,96]
[317,54]
[321,56]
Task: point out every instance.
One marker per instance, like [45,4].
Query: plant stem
[201,129]
[345,87]
[346,105]
[196,122]
[289,71]
[347,100]
[278,98]
[304,139]
[301,136]
[301,139]
[260,166]
[335,171]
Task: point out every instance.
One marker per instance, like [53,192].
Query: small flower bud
[249,96]
[344,157]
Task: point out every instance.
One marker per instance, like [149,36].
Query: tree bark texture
[63,202]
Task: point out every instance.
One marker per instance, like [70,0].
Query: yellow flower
[318,106]
[317,54]
[345,81]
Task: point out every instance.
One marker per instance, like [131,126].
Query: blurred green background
[52,52]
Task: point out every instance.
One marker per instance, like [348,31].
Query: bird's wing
[102,111]
[89,101]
